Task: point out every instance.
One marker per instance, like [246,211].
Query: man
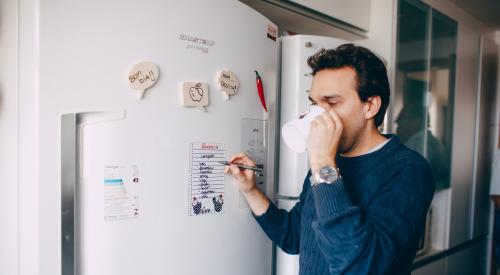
[365,199]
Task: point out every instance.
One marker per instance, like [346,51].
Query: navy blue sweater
[368,222]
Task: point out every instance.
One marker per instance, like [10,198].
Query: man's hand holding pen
[245,181]
[245,178]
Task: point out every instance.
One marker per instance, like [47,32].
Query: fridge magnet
[195,94]
[121,192]
[260,90]
[207,178]
[142,76]
[228,83]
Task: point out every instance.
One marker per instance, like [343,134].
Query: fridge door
[286,264]
[296,81]
[150,197]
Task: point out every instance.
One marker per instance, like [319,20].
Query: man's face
[336,89]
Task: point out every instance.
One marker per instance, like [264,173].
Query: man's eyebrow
[327,97]
[332,96]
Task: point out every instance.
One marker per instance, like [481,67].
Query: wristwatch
[327,174]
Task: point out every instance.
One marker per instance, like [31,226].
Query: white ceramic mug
[295,132]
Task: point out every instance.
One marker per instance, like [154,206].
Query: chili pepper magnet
[260,89]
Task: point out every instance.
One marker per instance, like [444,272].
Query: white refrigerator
[142,189]
[130,106]
[296,79]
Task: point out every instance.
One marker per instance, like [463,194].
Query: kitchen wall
[8,137]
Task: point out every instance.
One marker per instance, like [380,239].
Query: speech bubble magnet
[142,76]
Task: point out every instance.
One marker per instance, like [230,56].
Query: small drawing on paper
[195,94]
[207,178]
[218,203]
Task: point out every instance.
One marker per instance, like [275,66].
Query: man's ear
[371,106]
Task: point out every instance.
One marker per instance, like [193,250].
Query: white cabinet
[353,12]
[348,20]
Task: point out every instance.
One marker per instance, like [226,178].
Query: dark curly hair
[371,75]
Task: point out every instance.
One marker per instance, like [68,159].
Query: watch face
[328,174]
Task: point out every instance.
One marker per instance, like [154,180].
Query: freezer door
[286,264]
[134,213]
[148,194]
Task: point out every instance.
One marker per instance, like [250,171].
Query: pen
[254,168]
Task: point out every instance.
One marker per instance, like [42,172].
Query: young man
[364,202]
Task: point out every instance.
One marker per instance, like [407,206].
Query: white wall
[8,138]
[18,192]
[381,36]
[28,186]
[354,12]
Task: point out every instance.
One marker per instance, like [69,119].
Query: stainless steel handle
[68,188]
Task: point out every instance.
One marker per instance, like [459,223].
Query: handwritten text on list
[206,188]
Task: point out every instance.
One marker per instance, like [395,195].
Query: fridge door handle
[281,197]
[68,184]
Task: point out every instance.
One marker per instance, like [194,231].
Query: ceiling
[486,11]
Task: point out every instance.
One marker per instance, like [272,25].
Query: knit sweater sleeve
[372,240]
[283,227]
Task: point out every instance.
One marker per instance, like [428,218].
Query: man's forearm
[257,201]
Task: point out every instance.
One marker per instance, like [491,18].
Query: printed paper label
[121,186]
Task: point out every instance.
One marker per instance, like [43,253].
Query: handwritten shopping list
[206,185]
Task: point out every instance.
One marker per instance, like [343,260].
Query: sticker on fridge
[121,196]
[206,183]
[272,32]
[194,42]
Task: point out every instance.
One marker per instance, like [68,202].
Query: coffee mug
[295,132]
